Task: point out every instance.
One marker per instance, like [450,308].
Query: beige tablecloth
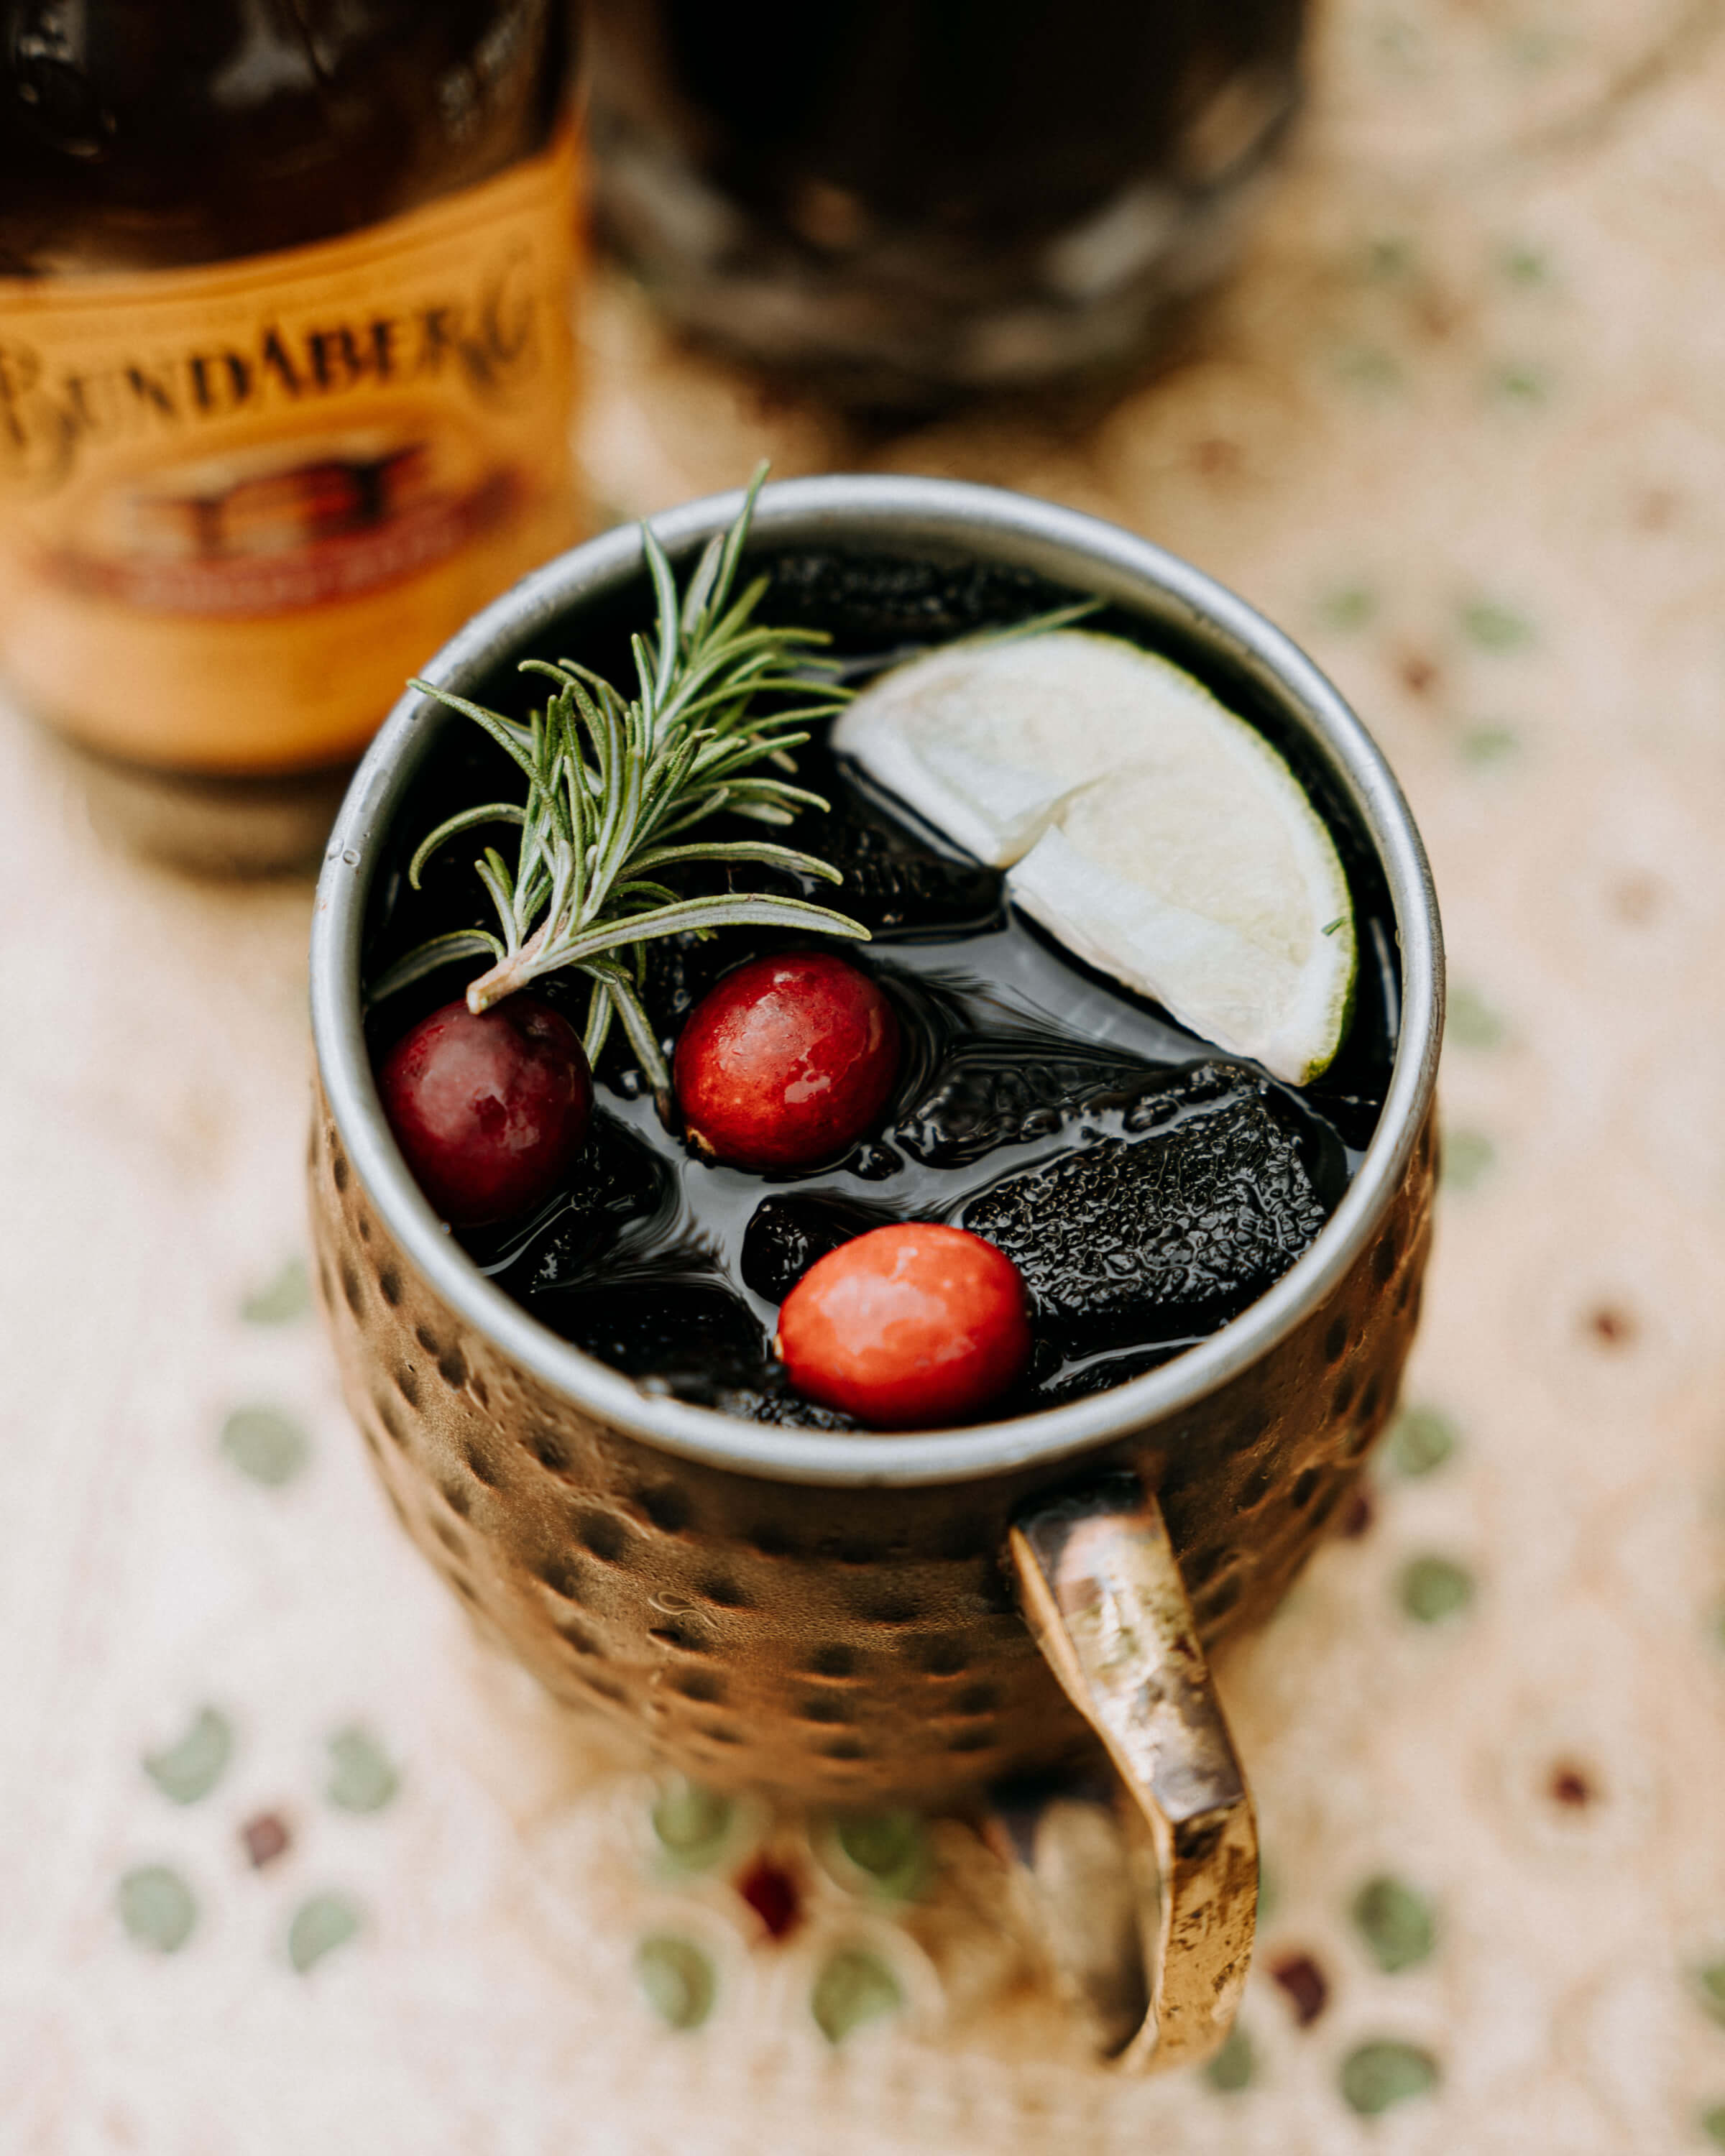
[292,1865]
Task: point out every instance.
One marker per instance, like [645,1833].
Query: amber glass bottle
[285,357]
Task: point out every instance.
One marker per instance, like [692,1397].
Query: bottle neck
[135,136]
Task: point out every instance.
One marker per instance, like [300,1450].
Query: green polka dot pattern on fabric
[320,1926]
[281,1301]
[1519,381]
[1396,1923]
[362,1778]
[190,1767]
[1421,1439]
[157,1908]
[1232,2068]
[1487,746]
[693,1823]
[678,1978]
[1495,628]
[1468,1159]
[1376,2076]
[1433,1587]
[854,1988]
[1369,368]
[1347,607]
[1524,266]
[265,1445]
[890,1849]
[1710,1988]
[1712,2122]
[1389,260]
[1470,1021]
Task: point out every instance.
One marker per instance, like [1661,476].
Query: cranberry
[786,1062]
[907,1327]
[489,1111]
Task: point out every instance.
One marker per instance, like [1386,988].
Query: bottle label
[239,504]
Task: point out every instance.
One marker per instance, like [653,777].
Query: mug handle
[1102,1593]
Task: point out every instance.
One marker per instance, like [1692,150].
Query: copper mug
[855,1619]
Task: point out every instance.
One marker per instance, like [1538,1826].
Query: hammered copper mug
[855,1619]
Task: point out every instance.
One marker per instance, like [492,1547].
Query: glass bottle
[286,359]
[907,198]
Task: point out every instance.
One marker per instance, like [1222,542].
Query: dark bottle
[285,358]
[913,196]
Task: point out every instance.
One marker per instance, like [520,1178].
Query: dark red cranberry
[907,1327]
[787,1062]
[488,1111]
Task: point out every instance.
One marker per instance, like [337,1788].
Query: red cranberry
[907,1327]
[786,1062]
[489,1111]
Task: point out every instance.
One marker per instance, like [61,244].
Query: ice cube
[1004,1091]
[615,1179]
[655,1326]
[772,1401]
[680,970]
[891,887]
[881,603]
[1191,1219]
[787,1235]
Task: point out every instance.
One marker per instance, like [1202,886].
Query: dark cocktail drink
[1146,1185]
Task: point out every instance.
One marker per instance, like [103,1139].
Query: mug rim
[1068,545]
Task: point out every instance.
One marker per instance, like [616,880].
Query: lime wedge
[1158,835]
[986,739]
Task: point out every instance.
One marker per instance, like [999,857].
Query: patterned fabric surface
[293,1863]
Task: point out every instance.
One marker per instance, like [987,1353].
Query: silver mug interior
[841,1616]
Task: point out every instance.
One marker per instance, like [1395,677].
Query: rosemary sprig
[616,786]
